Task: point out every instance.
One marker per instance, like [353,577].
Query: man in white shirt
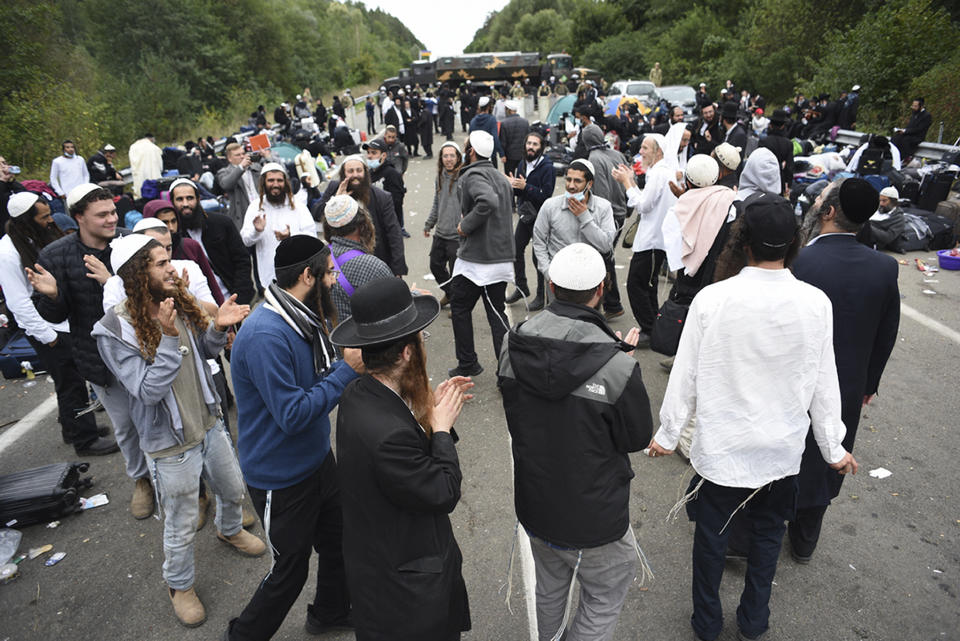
[756,367]
[68,171]
[272,217]
[652,205]
[146,162]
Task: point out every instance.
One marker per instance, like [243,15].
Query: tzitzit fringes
[566,609]
[646,571]
[513,554]
[739,507]
[686,498]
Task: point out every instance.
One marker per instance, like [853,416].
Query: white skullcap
[451,143]
[578,267]
[483,102]
[512,105]
[584,163]
[728,155]
[182,181]
[123,249]
[482,143]
[340,210]
[21,202]
[149,223]
[702,170]
[273,166]
[109,147]
[889,192]
[77,193]
[357,157]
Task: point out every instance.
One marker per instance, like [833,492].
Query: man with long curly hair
[156,343]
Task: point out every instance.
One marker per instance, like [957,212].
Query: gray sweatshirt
[557,227]
[153,407]
[486,200]
[445,212]
[604,160]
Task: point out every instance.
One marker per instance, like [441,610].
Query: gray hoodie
[445,212]
[604,161]
[486,200]
[761,173]
[153,407]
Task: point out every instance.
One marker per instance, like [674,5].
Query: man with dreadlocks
[30,229]
[267,223]
[288,379]
[156,343]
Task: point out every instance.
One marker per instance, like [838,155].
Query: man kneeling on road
[156,343]
[576,406]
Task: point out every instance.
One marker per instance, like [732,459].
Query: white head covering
[512,105]
[671,144]
[482,143]
[578,267]
[483,102]
[702,170]
[662,145]
[21,202]
[149,223]
[273,166]
[124,247]
[77,193]
[889,192]
[451,143]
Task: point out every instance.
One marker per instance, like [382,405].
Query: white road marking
[25,424]
[929,323]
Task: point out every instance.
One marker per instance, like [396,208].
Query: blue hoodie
[282,404]
[489,124]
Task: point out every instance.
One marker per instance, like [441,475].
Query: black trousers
[464,298]
[71,391]
[371,128]
[510,167]
[765,516]
[642,281]
[611,298]
[303,516]
[522,236]
[443,253]
[804,529]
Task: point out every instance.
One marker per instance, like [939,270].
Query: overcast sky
[444,27]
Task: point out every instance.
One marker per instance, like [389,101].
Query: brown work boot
[249,517]
[142,503]
[187,607]
[244,543]
[203,503]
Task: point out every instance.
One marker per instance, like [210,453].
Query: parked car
[683,96]
[642,89]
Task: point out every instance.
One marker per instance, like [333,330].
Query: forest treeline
[894,49]
[109,70]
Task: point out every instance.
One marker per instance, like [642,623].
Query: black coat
[79,300]
[391,181]
[782,148]
[228,255]
[862,286]
[389,241]
[699,141]
[399,486]
[737,136]
[425,127]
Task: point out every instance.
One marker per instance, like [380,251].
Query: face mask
[373,163]
[580,195]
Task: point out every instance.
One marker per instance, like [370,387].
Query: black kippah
[296,250]
[858,199]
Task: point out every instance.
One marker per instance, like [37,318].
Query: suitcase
[910,190]
[950,209]
[877,181]
[942,229]
[42,493]
[935,188]
[17,350]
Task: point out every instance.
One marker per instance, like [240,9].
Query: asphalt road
[887,567]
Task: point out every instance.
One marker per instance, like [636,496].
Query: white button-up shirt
[278,218]
[652,205]
[756,366]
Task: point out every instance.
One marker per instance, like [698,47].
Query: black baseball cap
[376,143]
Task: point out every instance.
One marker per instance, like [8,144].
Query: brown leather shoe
[249,517]
[142,503]
[186,605]
[203,502]
[244,543]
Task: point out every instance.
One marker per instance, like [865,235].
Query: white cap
[273,166]
[21,202]
[482,143]
[77,193]
[512,105]
[182,181]
[124,247]
[578,267]
[451,143]
[483,102]
[889,192]
[728,155]
[299,97]
[585,163]
[703,84]
[109,147]
[855,88]
[340,210]
[702,170]
[149,223]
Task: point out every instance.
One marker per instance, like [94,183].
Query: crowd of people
[778,331]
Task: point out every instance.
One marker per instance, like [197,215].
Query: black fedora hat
[729,110]
[384,311]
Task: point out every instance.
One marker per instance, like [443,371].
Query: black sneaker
[515,297]
[472,370]
[98,447]
[315,627]
[799,558]
[404,233]
[643,342]
[743,636]
[536,305]
[614,314]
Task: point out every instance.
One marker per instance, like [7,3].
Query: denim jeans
[116,402]
[177,481]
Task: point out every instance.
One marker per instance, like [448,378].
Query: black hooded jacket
[575,405]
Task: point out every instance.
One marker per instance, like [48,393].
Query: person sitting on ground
[888,224]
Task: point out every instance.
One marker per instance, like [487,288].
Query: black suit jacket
[389,241]
[228,256]
[862,286]
[399,486]
[737,136]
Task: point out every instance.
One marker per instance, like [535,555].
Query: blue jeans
[177,481]
[116,402]
[765,516]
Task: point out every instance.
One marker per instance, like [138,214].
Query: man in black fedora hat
[734,132]
[778,141]
[399,473]
[288,378]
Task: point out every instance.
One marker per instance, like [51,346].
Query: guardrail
[926,150]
